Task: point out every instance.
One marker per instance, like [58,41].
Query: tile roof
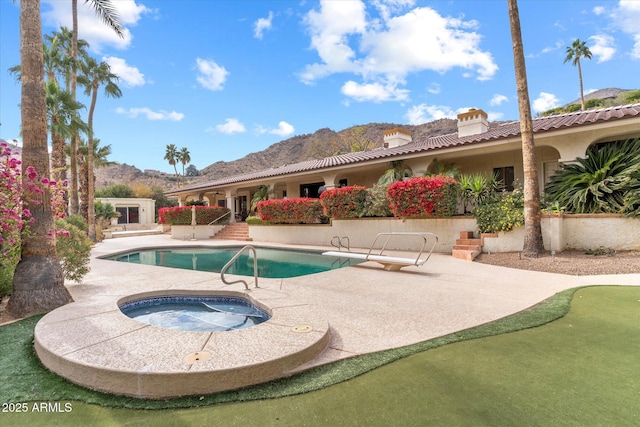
[506,130]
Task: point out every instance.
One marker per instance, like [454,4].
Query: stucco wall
[362,232]
[187,232]
[559,232]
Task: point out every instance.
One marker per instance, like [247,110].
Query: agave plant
[606,181]
[476,188]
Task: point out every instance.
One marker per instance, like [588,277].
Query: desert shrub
[502,212]
[74,250]
[474,189]
[181,215]
[300,210]
[423,197]
[345,202]
[376,203]
[79,221]
[120,191]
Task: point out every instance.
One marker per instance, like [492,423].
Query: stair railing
[220,217]
[232,260]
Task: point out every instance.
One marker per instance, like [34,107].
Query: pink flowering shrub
[300,210]
[423,197]
[345,202]
[181,215]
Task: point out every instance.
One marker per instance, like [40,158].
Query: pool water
[195,313]
[272,262]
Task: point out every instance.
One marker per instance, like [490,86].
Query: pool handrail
[232,260]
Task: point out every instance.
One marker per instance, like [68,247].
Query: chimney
[473,122]
[395,137]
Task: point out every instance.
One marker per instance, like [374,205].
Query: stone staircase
[234,231]
[467,247]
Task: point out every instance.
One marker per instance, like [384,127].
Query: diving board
[391,263]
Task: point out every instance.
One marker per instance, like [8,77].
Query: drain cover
[302,328]
[198,356]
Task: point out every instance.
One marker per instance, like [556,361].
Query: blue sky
[227,78]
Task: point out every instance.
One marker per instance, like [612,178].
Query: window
[505,176]
[128,215]
[311,190]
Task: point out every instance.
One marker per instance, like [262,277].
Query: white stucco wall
[146,207]
[198,232]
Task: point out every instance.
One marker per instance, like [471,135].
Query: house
[476,147]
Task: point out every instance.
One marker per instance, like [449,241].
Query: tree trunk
[38,282]
[73,143]
[91,211]
[581,89]
[533,244]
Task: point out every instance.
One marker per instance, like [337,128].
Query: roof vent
[473,122]
[395,137]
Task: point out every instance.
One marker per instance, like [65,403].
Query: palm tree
[93,76]
[105,10]
[183,157]
[171,155]
[62,113]
[533,244]
[577,50]
[38,281]
[100,160]
[397,172]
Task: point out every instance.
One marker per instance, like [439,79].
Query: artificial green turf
[579,370]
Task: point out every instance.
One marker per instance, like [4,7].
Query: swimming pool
[196,313]
[273,263]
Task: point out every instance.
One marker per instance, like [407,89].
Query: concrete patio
[317,319]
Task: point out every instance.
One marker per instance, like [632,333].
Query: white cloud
[347,41]
[211,75]
[492,116]
[131,76]
[375,92]
[284,129]
[423,113]
[261,25]
[598,10]
[498,99]
[545,101]
[91,27]
[150,114]
[627,17]
[434,88]
[604,47]
[231,126]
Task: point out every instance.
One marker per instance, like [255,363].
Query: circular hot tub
[196,313]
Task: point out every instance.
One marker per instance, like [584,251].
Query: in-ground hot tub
[93,344]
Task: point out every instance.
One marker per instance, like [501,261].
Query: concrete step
[468,247]
[465,254]
[234,231]
[469,242]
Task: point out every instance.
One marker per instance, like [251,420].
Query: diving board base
[389,263]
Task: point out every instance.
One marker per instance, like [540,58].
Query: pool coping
[445,295]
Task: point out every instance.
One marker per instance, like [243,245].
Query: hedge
[300,210]
[181,215]
[345,202]
[423,197]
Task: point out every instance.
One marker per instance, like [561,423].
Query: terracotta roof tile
[506,130]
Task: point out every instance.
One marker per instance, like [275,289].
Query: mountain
[322,143]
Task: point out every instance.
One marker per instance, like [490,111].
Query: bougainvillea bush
[423,197]
[181,215]
[345,202]
[300,210]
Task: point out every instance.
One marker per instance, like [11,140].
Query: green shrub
[253,220]
[181,215]
[423,197]
[74,250]
[345,202]
[195,203]
[301,210]
[376,203]
[501,213]
[79,221]
[119,191]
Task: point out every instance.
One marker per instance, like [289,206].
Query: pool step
[234,231]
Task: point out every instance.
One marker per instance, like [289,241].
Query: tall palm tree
[93,76]
[63,117]
[100,160]
[183,157]
[533,244]
[38,281]
[106,11]
[577,50]
[171,156]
